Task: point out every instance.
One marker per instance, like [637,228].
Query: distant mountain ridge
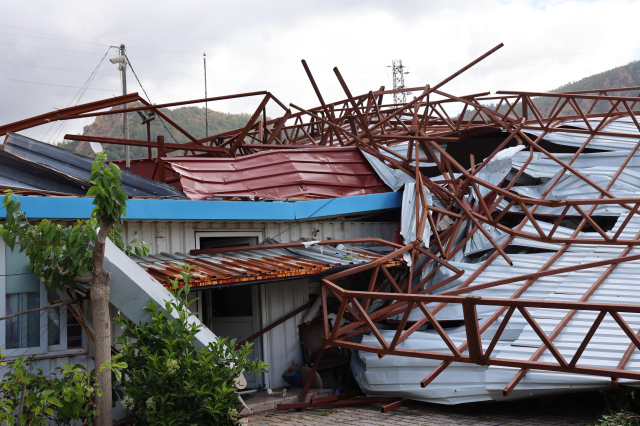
[623,76]
[619,77]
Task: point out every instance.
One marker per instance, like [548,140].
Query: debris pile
[519,230]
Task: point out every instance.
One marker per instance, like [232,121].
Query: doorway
[233,311]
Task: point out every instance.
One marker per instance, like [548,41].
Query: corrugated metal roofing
[605,143]
[79,167]
[460,383]
[255,266]
[300,173]
[23,175]
[146,168]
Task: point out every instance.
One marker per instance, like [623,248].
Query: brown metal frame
[423,124]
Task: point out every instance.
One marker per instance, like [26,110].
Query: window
[45,331]
[74,331]
[53,320]
[22,331]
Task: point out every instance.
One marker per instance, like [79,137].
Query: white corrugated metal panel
[606,143]
[607,345]
[542,166]
[173,237]
[282,345]
[462,383]
[572,187]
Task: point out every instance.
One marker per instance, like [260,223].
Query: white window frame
[233,234]
[43,315]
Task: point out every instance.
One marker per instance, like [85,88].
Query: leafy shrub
[64,396]
[168,381]
[619,418]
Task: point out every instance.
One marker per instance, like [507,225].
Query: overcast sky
[49,48]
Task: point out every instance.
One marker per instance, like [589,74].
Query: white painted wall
[282,344]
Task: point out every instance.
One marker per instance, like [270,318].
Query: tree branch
[69,302]
[78,279]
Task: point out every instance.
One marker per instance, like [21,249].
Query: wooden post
[161,170]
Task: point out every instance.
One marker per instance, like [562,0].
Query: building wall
[282,345]
[279,347]
[172,237]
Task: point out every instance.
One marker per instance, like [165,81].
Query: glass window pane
[53,326]
[20,278]
[74,331]
[22,331]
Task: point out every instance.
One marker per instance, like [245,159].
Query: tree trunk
[102,326]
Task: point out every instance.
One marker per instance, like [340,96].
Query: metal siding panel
[148,235]
[162,237]
[284,340]
[174,237]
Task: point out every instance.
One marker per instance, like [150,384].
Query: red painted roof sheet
[146,168]
[297,173]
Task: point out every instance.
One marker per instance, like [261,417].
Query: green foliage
[619,418]
[58,254]
[64,396]
[167,380]
[110,200]
[624,399]
[114,366]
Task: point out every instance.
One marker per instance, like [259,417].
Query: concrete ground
[580,409]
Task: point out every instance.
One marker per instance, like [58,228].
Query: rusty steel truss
[424,125]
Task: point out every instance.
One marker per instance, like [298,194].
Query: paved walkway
[580,410]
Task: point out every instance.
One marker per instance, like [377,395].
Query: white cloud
[258,46]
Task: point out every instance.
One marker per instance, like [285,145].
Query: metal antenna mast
[127,148]
[398,81]
[206,108]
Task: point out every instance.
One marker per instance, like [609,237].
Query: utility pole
[127,148]
[398,81]
[206,104]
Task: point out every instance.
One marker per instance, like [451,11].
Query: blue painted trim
[347,205]
[139,209]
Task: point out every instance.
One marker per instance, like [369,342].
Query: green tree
[63,256]
[168,381]
[63,397]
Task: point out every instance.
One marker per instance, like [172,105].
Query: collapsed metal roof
[521,262]
[258,265]
[300,173]
[79,167]
[26,176]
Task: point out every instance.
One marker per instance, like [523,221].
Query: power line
[266,59]
[148,98]
[50,84]
[52,35]
[79,95]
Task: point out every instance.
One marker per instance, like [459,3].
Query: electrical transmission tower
[398,81]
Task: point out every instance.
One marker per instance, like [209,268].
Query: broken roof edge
[153,209]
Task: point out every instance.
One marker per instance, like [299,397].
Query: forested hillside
[619,77]
[191,119]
